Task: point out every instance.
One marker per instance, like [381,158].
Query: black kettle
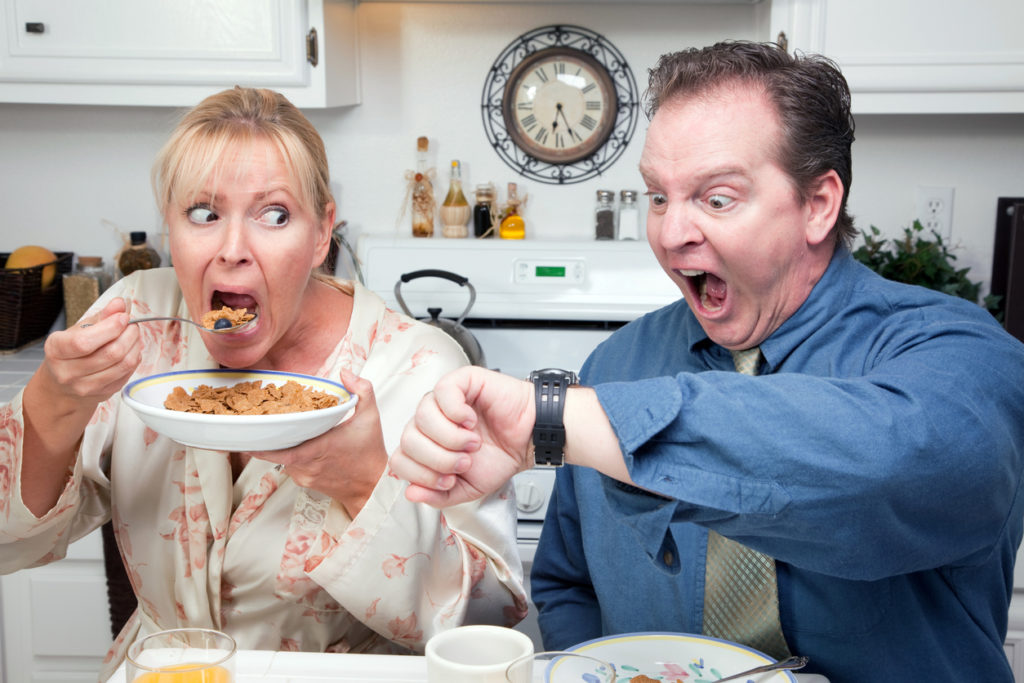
[453,328]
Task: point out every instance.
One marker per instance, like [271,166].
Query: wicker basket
[27,311]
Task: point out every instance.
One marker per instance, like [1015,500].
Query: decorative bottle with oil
[512,226]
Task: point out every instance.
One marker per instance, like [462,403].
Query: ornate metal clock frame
[494,106]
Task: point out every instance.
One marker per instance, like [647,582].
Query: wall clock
[560,104]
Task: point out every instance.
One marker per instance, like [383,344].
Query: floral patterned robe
[277,566]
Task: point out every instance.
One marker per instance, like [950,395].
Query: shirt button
[667,557]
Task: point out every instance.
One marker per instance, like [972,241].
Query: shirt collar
[822,303]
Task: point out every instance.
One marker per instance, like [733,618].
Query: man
[872,466]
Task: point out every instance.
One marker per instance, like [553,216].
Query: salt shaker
[629,216]
[604,228]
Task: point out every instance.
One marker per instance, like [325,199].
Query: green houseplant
[918,260]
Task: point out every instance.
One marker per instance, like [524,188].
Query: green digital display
[550,271]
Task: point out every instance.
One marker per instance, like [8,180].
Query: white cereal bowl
[146,397]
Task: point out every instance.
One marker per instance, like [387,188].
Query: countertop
[17,368]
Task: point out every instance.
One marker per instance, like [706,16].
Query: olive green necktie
[741,598]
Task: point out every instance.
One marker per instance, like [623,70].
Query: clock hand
[568,128]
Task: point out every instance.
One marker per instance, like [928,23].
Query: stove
[539,304]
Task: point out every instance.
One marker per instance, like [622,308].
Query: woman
[313,548]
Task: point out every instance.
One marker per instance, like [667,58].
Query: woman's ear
[324,235]
[823,207]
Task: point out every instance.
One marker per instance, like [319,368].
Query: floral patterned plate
[678,657]
[233,432]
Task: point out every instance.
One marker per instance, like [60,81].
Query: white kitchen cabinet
[173,53]
[915,56]
[56,622]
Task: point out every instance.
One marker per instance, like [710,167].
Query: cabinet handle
[35,27]
[311,49]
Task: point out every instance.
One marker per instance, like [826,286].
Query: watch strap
[550,387]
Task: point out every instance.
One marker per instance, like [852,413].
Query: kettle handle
[460,280]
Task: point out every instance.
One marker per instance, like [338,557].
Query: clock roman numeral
[588,122]
[559,140]
[541,136]
[541,75]
[559,68]
[576,136]
[528,106]
[589,86]
[529,122]
[592,105]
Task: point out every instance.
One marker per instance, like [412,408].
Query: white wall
[71,177]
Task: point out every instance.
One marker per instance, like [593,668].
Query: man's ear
[822,207]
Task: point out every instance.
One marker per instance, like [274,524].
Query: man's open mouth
[710,289]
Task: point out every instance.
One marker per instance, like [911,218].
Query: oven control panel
[570,271]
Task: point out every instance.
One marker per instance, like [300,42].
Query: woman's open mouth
[233,300]
[707,288]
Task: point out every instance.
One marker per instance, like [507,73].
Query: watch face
[559,105]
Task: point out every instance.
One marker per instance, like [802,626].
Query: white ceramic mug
[474,654]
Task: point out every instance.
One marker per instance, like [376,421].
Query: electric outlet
[935,210]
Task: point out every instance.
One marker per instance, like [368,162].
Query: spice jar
[138,255]
[604,214]
[629,216]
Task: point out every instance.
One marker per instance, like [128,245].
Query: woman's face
[246,241]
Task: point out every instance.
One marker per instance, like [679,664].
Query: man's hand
[468,437]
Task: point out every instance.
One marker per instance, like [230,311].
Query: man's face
[725,221]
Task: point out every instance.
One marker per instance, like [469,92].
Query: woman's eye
[275,215]
[201,215]
[719,201]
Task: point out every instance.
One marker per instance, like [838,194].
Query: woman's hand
[89,363]
[468,437]
[83,366]
[345,462]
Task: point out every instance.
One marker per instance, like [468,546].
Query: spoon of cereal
[225,321]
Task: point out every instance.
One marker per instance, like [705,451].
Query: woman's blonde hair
[234,118]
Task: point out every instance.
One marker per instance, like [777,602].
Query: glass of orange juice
[182,655]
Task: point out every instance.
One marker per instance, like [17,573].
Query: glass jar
[83,287]
[137,255]
[629,216]
[483,211]
[604,215]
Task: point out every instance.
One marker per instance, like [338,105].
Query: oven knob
[529,498]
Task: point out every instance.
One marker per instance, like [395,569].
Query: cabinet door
[172,52]
[56,621]
[915,56]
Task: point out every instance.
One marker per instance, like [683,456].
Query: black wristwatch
[550,386]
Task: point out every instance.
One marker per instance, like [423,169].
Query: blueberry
[222,324]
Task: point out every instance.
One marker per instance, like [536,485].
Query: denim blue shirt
[877,458]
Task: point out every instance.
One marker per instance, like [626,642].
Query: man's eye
[275,216]
[657,199]
[201,215]
[719,201]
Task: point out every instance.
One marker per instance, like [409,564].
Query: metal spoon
[213,330]
[788,664]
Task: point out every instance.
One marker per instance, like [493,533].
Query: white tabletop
[261,666]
